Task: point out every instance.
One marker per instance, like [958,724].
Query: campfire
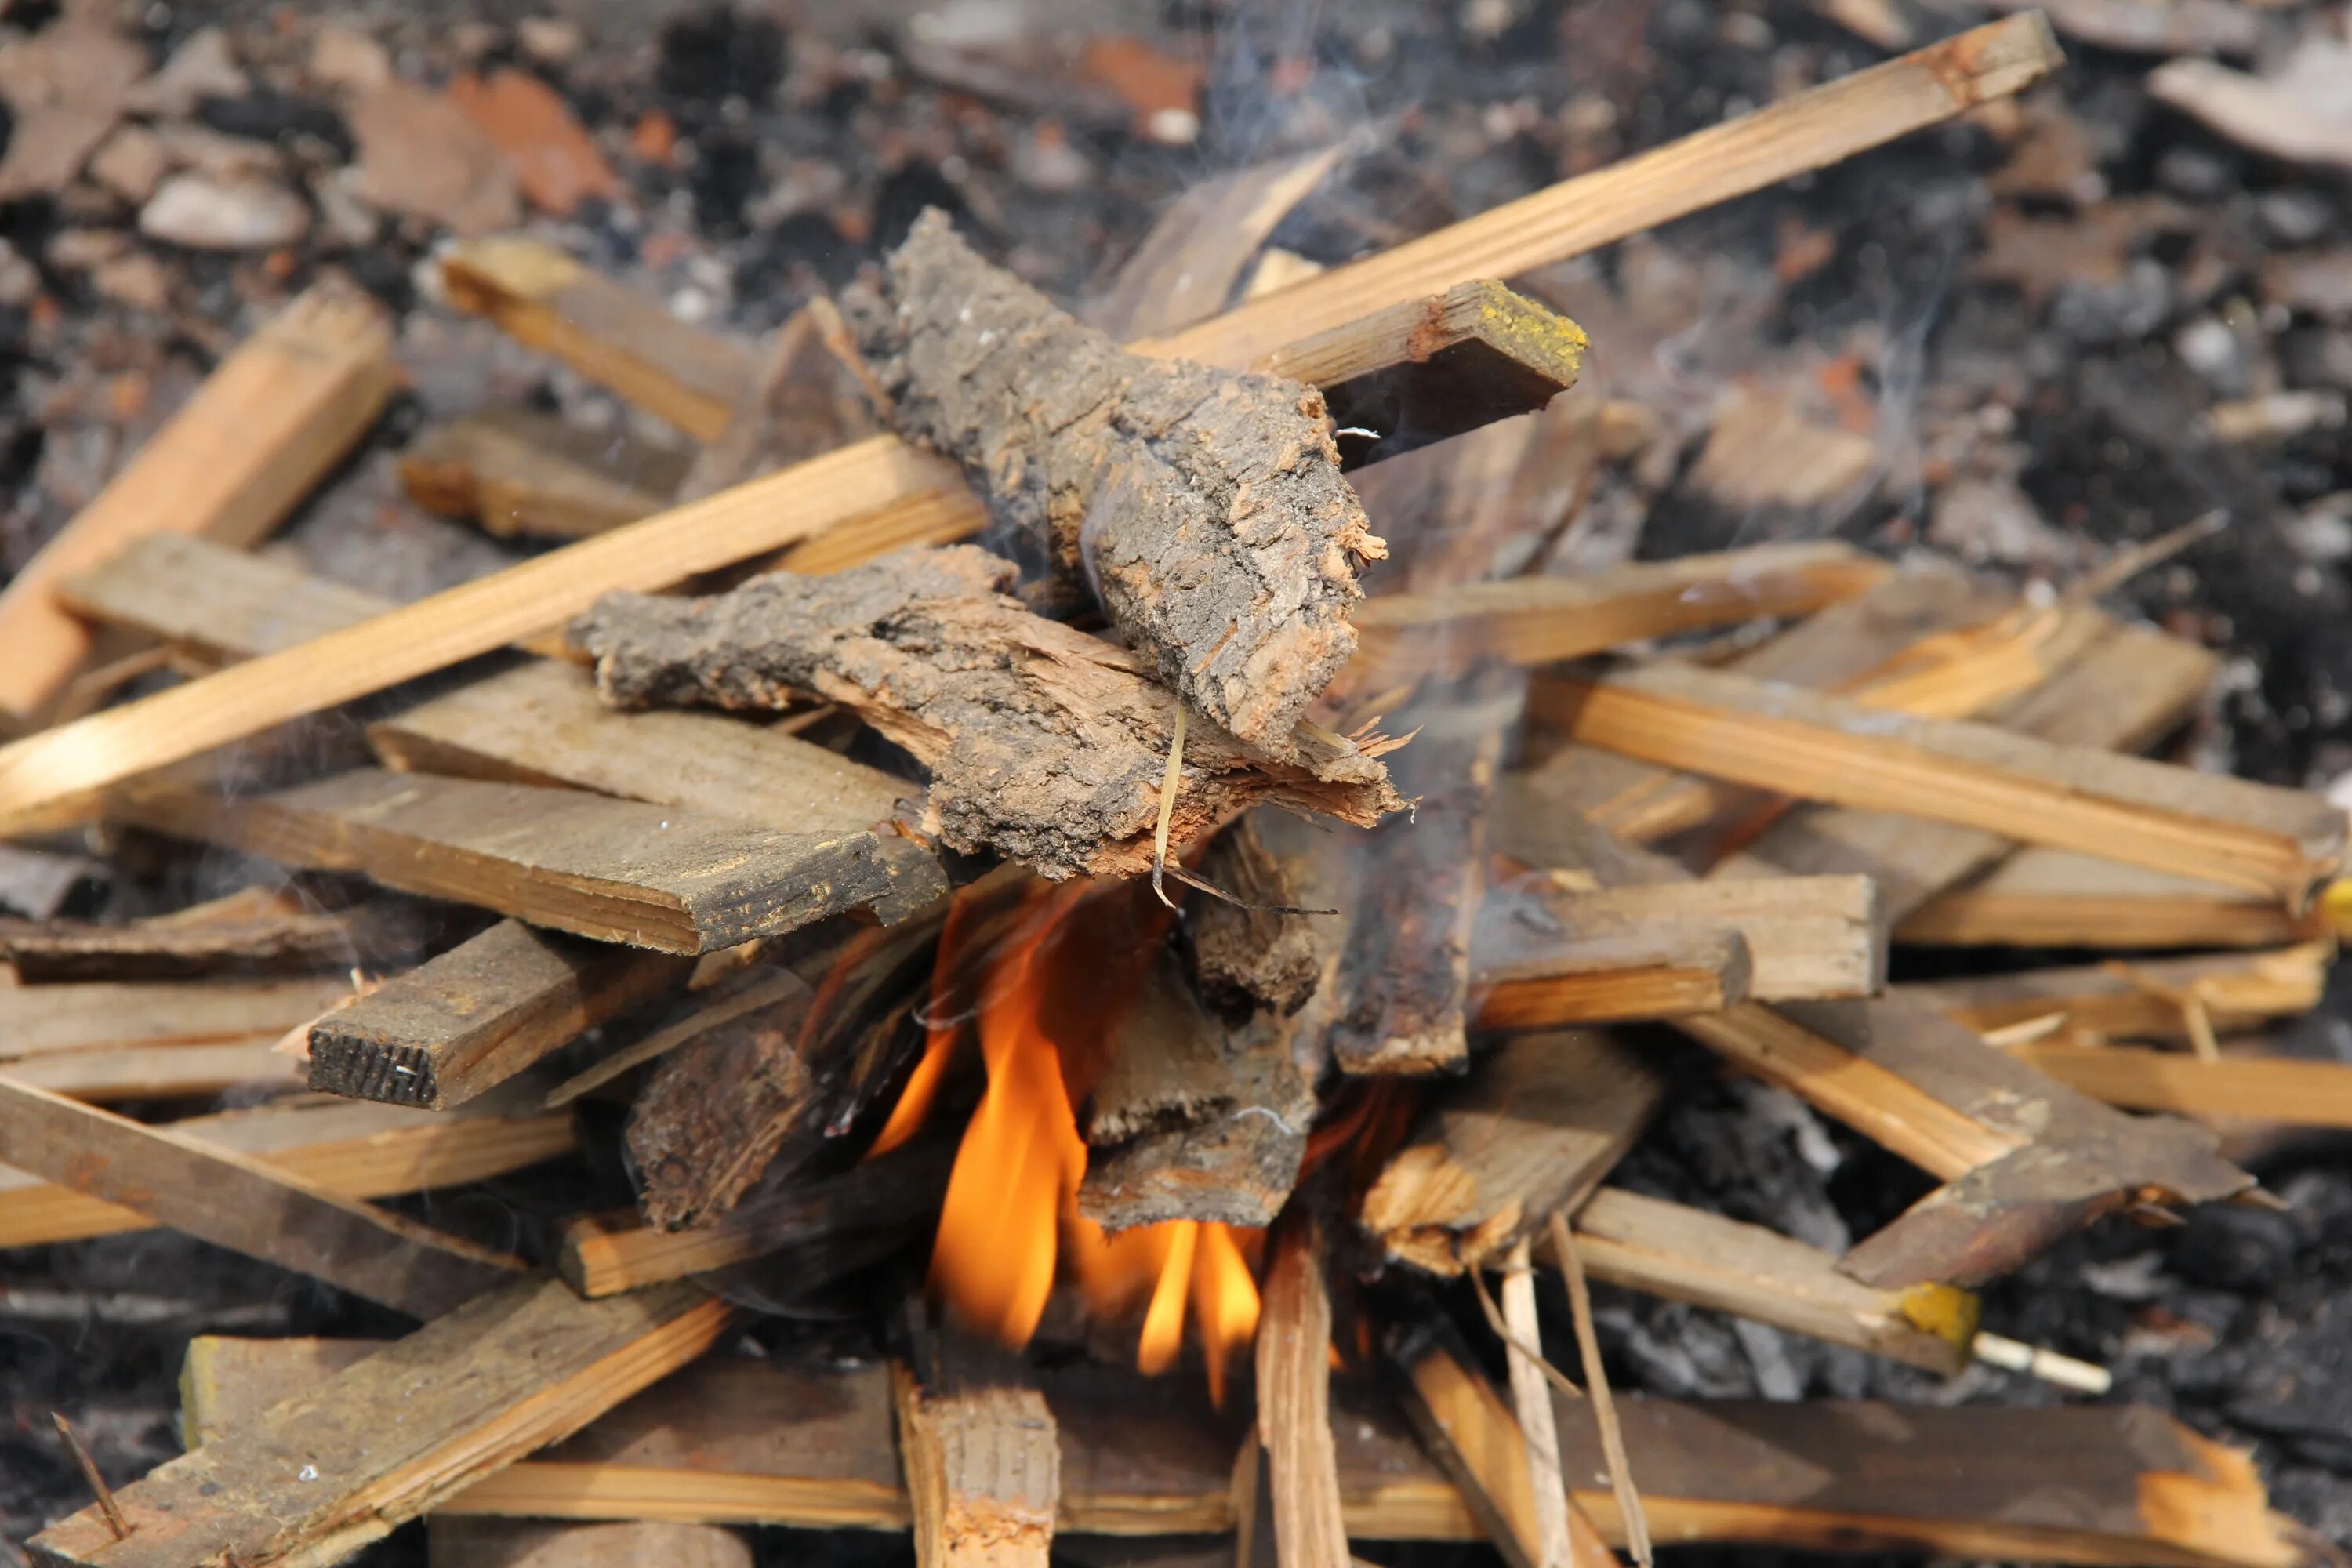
[1115,963]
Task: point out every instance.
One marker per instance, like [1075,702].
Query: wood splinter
[1044,744]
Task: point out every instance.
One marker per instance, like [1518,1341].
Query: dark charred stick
[89,1468]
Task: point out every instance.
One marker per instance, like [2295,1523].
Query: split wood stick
[1633,978]
[603,1253]
[2085,1484]
[538,723]
[1542,620]
[1807,937]
[2276,842]
[264,427]
[984,1473]
[50,777]
[2287,1090]
[520,473]
[2191,999]
[1683,1254]
[618,870]
[231,1199]
[351,1151]
[97,1015]
[1294,1401]
[614,336]
[1535,1129]
[480,1013]
[521,1543]
[2129,688]
[1841,644]
[254,929]
[1471,1433]
[2057,898]
[345,1459]
[163,1072]
[1531,1400]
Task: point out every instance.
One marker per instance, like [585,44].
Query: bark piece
[351,1151]
[1044,744]
[56,776]
[1533,1129]
[314,1479]
[478,1014]
[1204,506]
[232,1200]
[984,1472]
[1245,957]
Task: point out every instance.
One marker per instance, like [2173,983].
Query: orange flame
[1010,1219]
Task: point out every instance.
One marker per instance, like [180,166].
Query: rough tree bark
[1205,506]
[1044,744]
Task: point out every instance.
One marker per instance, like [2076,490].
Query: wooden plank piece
[2163,999]
[517,472]
[224,1196]
[95,1016]
[264,427]
[984,1472]
[1294,1401]
[2058,898]
[51,777]
[314,1479]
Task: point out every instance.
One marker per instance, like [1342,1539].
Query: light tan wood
[521,1543]
[1294,1401]
[50,777]
[1685,1253]
[42,1020]
[984,1473]
[1807,937]
[2059,898]
[2189,999]
[351,1149]
[2284,1090]
[265,427]
[163,1072]
[1553,1546]
[1635,978]
[2083,1484]
[224,1196]
[520,473]
[386,1438]
[1541,620]
[614,336]
[2279,843]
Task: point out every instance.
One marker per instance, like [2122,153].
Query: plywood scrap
[1685,1253]
[2060,898]
[232,1200]
[614,336]
[2087,1484]
[317,1476]
[1806,938]
[658,877]
[984,1473]
[56,776]
[1205,509]
[877,1202]
[2276,842]
[1542,620]
[520,473]
[354,1151]
[1044,744]
[1536,1128]
[474,1016]
[264,427]
[254,930]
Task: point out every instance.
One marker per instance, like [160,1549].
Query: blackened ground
[810,143]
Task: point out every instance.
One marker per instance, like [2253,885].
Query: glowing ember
[1011,1217]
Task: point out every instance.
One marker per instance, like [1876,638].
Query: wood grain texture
[315,1478]
[2085,1484]
[264,427]
[52,777]
[518,1543]
[1633,977]
[2058,898]
[520,473]
[481,1012]
[222,1195]
[665,878]
[89,1016]
[984,1473]
[254,930]
[352,1151]
[2159,999]
[2288,1090]
[1294,1400]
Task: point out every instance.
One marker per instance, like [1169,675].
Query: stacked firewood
[1274,1081]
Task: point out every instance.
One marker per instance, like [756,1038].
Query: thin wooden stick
[1532,1399]
[47,778]
[107,1506]
[1596,1384]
